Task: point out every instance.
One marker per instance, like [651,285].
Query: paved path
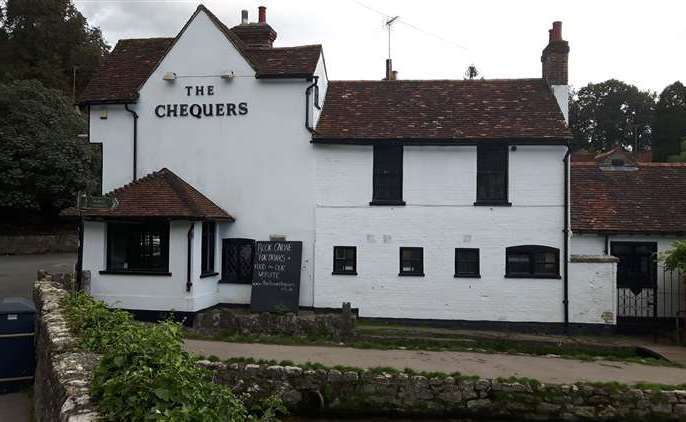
[15,407]
[18,272]
[544,369]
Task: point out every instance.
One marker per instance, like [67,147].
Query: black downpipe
[566,241]
[189,283]
[607,244]
[79,258]
[135,139]
[307,102]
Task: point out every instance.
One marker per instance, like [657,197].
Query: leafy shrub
[675,259]
[145,374]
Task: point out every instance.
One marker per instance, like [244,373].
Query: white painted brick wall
[439,188]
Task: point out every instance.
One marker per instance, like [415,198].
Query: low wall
[335,392]
[242,321]
[593,289]
[63,371]
[38,243]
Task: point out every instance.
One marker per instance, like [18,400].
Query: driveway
[18,272]
[486,365]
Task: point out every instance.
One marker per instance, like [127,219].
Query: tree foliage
[670,123]
[46,40]
[611,113]
[42,161]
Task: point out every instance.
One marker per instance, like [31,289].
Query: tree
[46,40]
[611,113]
[670,122]
[42,161]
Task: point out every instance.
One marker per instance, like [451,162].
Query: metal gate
[649,296]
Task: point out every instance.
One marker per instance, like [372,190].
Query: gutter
[135,138]
[189,283]
[565,231]
[307,102]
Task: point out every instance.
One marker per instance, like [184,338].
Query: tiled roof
[128,66]
[124,70]
[440,110]
[651,199]
[161,194]
[285,61]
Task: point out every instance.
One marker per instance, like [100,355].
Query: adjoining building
[413,199]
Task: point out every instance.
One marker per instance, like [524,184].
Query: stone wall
[38,243]
[242,321]
[63,371]
[336,392]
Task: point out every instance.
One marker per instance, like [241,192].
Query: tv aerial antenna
[388,24]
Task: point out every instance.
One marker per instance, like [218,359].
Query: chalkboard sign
[276,277]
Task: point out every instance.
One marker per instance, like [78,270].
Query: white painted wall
[259,167]
[593,292]
[588,244]
[439,189]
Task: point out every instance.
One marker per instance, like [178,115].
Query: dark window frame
[466,274]
[417,272]
[136,254]
[246,278]
[533,253]
[208,249]
[345,260]
[380,190]
[484,152]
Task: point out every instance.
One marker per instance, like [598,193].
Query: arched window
[532,261]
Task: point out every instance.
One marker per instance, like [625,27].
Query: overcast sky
[639,42]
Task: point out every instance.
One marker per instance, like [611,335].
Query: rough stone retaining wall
[370,392]
[337,325]
[38,244]
[63,372]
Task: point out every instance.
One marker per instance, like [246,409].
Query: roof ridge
[440,80]
[179,186]
[138,181]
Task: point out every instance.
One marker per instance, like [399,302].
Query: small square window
[345,260]
[467,262]
[412,261]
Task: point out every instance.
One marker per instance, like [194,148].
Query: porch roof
[161,194]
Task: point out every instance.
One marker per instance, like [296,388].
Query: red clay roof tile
[651,199]
[441,109]
[161,194]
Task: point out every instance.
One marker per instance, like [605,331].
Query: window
[344,260]
[388,175]
[467,262]
[532,261]
[637,264]
[491,174]
[237,260]
[412,261]
[209,229]
[138,247]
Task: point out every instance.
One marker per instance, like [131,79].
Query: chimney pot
[557,31]
[262,13]
[244,17]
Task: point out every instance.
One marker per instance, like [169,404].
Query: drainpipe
[566,241]
[79,257]
[307,102]
[189,283]
[135,138]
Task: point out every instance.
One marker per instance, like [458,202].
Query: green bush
[145,374]
[675,258]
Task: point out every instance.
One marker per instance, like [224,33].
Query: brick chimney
[257,34]
[555,64]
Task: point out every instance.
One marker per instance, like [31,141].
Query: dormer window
[617,162]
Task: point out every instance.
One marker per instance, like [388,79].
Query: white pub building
[413,199]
